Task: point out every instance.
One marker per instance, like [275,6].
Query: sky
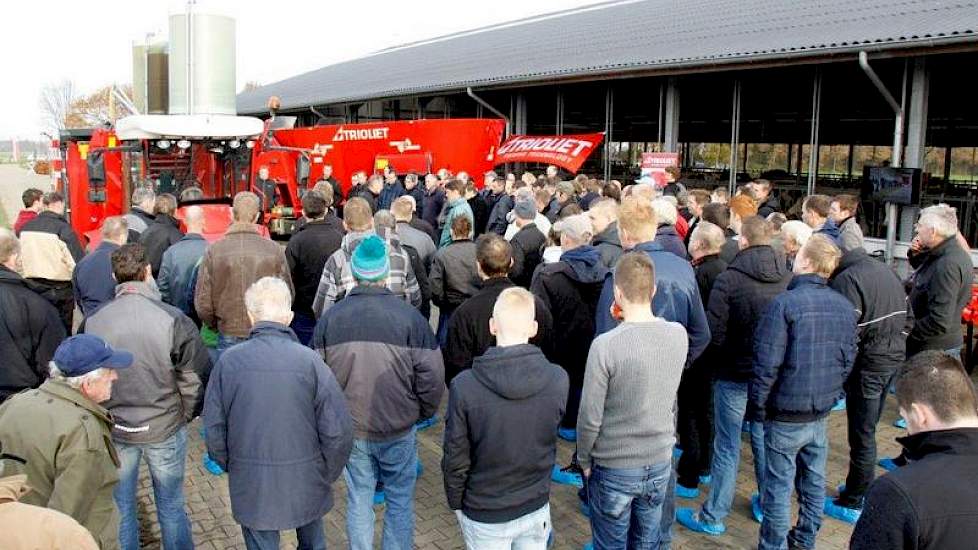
[90,43]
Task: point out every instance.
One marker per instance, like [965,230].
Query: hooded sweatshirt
[497,466]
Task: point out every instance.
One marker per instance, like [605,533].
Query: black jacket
[468,330]
[30,331]
[417,264]
[527,245]
[499,206]
[609,245]
[480,214]
[307,253]
[739,297]
[929,504]
[163,233]
[770,206]
[707,269]
[941,289]
[881,307]
[570,290]
[501,434]
[139,220]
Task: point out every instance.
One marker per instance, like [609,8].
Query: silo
[139,76]
[201,64]
[157,78]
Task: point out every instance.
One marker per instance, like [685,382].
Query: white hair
[75,381]
[193,214]
[409,198]
[797,231]
[665,211]
[269,299]
[943,219]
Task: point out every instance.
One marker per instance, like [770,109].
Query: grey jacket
[418,240]
[160,393]
[177,268]
[850,235]
[454,275]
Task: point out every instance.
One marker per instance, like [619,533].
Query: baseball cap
[83,353]
[370,261]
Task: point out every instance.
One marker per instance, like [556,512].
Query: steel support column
[670,140]
[813,140]
[734,137]
[609,123]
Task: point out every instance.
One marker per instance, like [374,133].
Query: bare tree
[251,85]
[55,102]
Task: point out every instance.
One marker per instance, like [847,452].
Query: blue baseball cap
[83,353]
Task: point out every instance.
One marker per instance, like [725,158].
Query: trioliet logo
[360,134]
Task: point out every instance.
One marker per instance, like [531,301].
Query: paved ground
[214,528]
[13,181]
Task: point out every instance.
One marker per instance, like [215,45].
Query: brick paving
[435,527]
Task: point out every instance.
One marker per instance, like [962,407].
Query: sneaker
[688,518]
[686,492]
[570,475]
[379,498]
[567,434]
[755,508]
[213,467]
[842,513]
[423,425]
[706,479]
[900,423]
[840,405]
[888,464]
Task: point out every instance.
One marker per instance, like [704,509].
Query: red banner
[568,151]
[660,161]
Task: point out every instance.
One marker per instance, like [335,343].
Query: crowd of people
[650,326]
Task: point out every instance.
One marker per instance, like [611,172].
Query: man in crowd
[564,195]
[306,253]
[695,397]
[163,233]
[468,330]
[421,241]
[842,212]
[815,211]
[180,261]
[767,203]
[386,227]
[385,358]
[741,207]
[454,274]
[604,219]
[281,463]
[480,209]
[152,403]
[371,192]
[219,298]
[539,204]
[413,189]
[804,348]
[92,279]
[140,215]
[335,187]
[265,189]
[434,199]
[666,235]
[929,504]
[60,436]
[626,427]
[498,201]
[527,243]
[455,206]
[49,252]
[498,487]
[794,235]
[32,207]
[419,223]
[570,289]
[696,201]
[33,329]
[880,304]
[338,279]
[739,298]
[391,191]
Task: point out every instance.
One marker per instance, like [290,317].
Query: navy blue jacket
[677,298]
[830,230]
[670,240]
[278,423]
[390,193]
[92,280]
[804,348]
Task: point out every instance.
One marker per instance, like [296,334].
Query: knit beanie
[370,261]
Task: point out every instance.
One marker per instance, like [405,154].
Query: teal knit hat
[370,261]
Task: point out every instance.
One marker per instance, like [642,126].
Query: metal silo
[201,64]
[157,79]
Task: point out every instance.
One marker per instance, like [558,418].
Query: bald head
[115,229]
[193,218]
[513,317]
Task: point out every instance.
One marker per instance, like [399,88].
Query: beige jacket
[27,527]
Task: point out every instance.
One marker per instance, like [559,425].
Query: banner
[653,167]
[568,152]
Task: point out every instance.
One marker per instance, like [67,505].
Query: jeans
[729,408]
[626,505]
[225,343]
[791,445]
[303,326]
[311,536]
[695,425]
[393,463]
[166,466]
[866,397]
[528,532]
[444,316]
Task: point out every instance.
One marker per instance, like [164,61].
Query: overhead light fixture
[250,144]
[234,144]
[219,150]
[163,144]
[183,144]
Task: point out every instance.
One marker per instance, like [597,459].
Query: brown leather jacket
[228,268]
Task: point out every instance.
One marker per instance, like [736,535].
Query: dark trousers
[310,537]
[61,295]
[303,326]
[695,425]
[865,399]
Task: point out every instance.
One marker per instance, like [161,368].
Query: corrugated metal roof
[631,35]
